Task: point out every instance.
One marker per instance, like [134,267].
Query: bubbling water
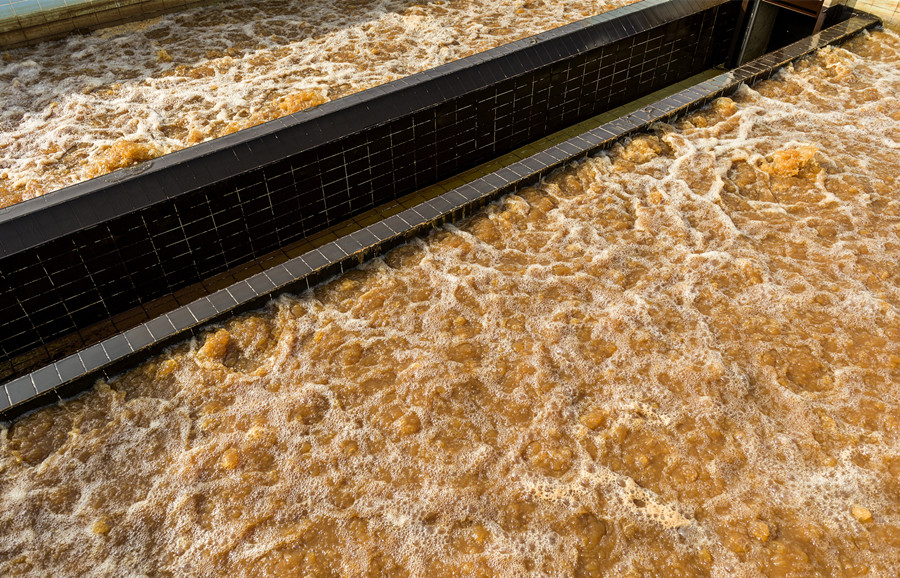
[86,106]
[678,358]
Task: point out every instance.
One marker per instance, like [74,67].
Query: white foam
[739,359]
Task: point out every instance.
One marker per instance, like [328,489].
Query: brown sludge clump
[680,358]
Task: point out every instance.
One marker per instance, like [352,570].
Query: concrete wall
[887,10]
[24,22]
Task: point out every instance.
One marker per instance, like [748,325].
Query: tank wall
[78,256]
[887,10]
[24,22]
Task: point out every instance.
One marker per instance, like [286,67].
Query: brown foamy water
[86,106]
[678,358]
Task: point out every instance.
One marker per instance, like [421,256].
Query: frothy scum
[677,358]
[83,107]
